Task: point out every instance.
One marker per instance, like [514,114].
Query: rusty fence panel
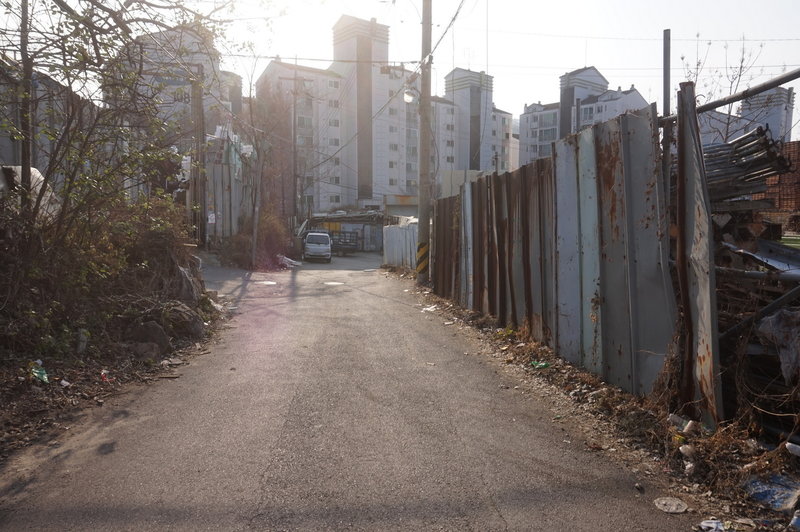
[547,215]
[466,280]
[704,346]
[444,268]
[614,261]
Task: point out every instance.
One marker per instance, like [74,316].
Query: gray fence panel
[400,245]
[651,290]
[591,308]
[567,272]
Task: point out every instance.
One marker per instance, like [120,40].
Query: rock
[189,287]
[83,341]
[150,332]
[182,321]
[670,505]
[145,350]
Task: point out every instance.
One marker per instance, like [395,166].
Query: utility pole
[666,141]
[296,207]
[295,210]
[424,223]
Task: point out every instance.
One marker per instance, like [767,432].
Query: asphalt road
[331,402]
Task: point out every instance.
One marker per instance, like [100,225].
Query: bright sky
[527,45]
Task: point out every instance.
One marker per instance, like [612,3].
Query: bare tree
[739,70]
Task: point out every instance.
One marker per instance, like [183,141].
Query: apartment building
[358,124]
[585,100]
[483,139]
[773,108]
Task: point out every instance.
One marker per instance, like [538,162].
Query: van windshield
[317,239]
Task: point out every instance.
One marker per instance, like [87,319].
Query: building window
[391,93]
[494,118]
[392,129]
[304,122]
[548,119]
[305,141]
[335,180]
[335,161]
[333,122]
[335,199]
[504,121]
[494,132]
[333,103]
[450,159]
[450,127]
[308,200]
[392,111]
[333,142]
[411,182]
[587,114]
[450,111]
[333,84]
[392,164]
[392,182]
[450,143]
[410,167]
[393,147]
[547,135]
[412,151]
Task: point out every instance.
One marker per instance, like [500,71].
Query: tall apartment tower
[471,92]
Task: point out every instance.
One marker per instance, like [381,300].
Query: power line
[618,38]
[320,59]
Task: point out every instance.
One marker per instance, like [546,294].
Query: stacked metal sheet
[741,167]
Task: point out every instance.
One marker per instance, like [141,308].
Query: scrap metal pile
[741,167]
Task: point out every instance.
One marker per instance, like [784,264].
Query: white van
[317,246]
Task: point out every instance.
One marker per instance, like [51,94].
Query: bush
[96,276]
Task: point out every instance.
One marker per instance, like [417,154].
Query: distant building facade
[585,100]
[773,108]
[358,124]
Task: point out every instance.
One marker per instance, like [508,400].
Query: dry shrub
[273,237]
[54,283]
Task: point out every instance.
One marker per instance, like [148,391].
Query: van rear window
[317,239]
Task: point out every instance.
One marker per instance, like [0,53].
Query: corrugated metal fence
[571,249]
[400,244]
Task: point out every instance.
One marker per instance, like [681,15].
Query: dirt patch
[38,411]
